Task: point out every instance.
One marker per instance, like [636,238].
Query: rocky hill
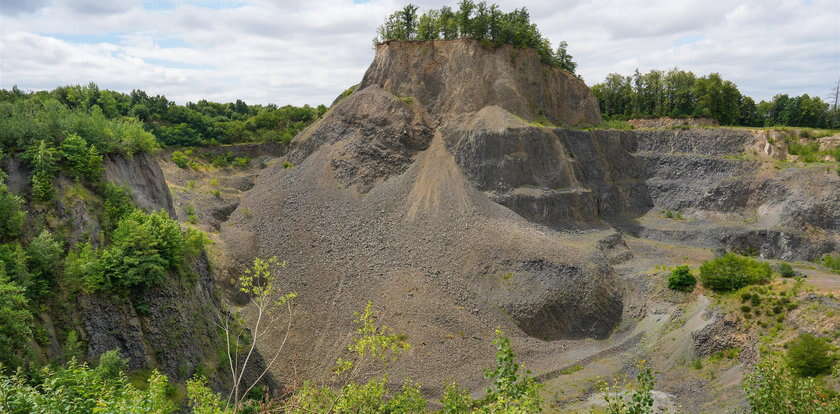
[452,191]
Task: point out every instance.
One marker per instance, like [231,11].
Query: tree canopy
[474,20]
[679,93]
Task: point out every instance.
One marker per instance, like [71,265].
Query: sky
[308,51]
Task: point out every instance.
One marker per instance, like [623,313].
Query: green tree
[42,157]
[510,391]
[12,215]
[681,279]
[44,253]
[84,160]
[144,247]
[810,356]
[772,388]
[564,59]
[732,272]
[15,320]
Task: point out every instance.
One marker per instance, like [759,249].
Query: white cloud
[309,51]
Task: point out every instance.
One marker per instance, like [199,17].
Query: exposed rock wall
[450,77]
[142,176]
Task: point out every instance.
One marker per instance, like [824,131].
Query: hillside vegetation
[474,20]
[678,93]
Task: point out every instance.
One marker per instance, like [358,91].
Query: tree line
[23,117]
[678,93]
[474,20]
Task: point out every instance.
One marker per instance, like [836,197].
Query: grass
[674,215]
[571,370]
[612,124]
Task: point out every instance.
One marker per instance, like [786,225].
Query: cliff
[451,77]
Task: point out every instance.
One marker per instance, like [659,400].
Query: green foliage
[511,392]
[681,279]
[809,356]
[786,270]
[143,248]
[73,347]
[84,160]
[11,214]
[640,401]
[677,93]
[114,122]
[832,261]
[42,157]
[203,400]
[117,203]
[15,319]
[674,215]
[772,388]
[474,20]
[732,272]
[82,268]
[79,389]
[183,159]
[44,253]
[372,341]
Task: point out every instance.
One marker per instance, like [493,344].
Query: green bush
[143,248]
[786,270]
[810,356]
[15,319]
[42,158]
[84,160]
[732,272]
[116,205]
[182,159]
[832,261]
[11,214]
[681,279]
[76,388]
[44,253]
[772,388]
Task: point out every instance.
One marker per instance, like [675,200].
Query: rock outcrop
[451,77]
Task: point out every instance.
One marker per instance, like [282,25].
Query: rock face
[142,176]
[450,77]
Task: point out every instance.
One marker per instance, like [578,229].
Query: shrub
[82,269]
[44,253]
[117,204]
[182,158]
[11,214]
[15,319]
[42,157]
[84,160]
[681,279]
[771,388]
[810,356]
[832,261]
[786,270]
[79,389]
[731,272]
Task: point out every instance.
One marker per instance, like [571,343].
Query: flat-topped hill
[451,77]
